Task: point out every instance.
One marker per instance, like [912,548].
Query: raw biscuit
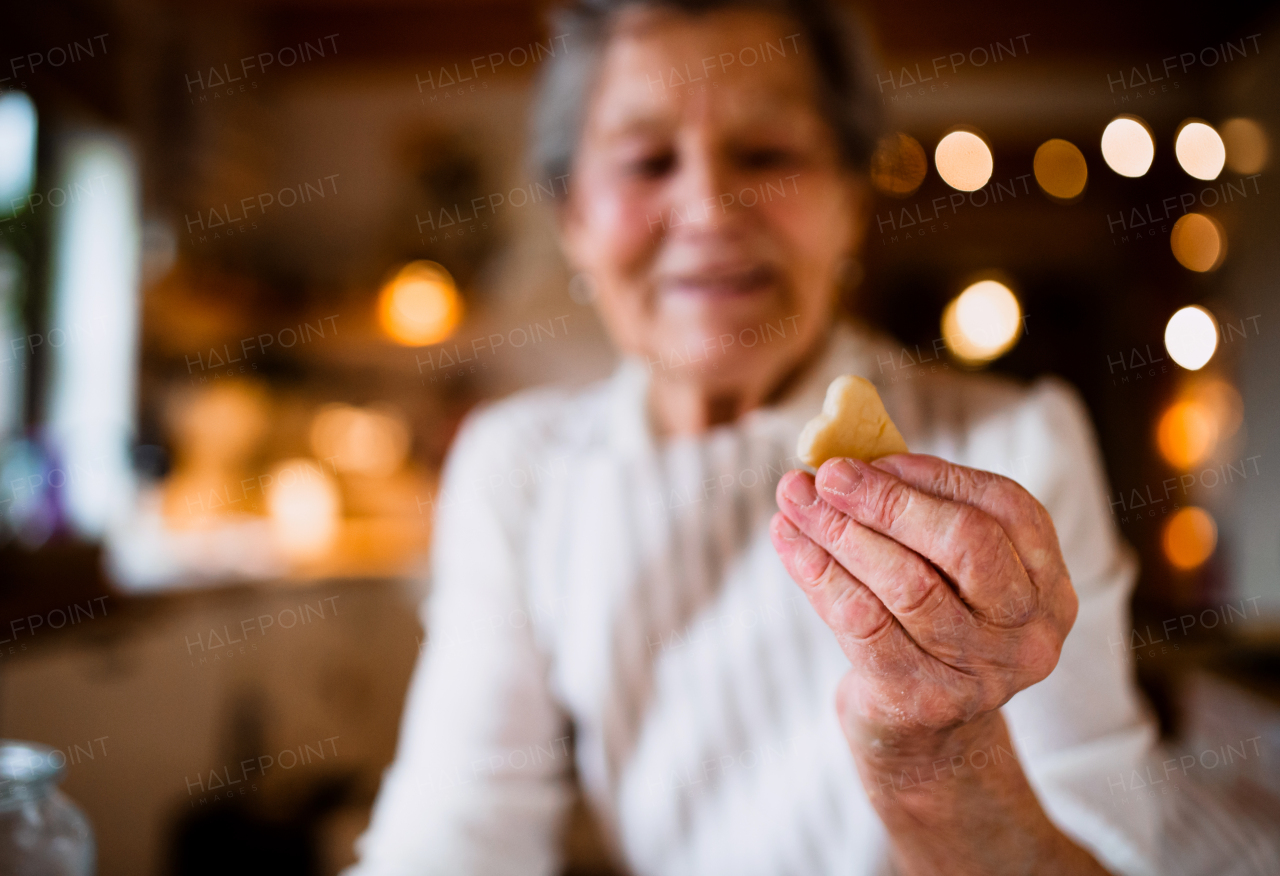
[853,423]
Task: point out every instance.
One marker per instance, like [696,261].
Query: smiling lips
[718,282]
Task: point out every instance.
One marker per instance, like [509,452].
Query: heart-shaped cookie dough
[853,423]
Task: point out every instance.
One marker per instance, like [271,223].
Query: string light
[1198,242]
[1191,337]
[1246,145]
[982,322]
[1060,170]
[1199,149]
[1127,146]
[1186,433]
[964,160]
[1207,411]
[1189,538]
[420,305]
[899,165]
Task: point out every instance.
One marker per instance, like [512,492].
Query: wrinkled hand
[944,586]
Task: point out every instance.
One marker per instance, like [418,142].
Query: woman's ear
[569,230]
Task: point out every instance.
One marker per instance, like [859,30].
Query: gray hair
[841,56]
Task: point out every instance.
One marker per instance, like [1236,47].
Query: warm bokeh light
[360,440]
[304,507]
[1222,400]
[1189,538]
[1199,149]
[1127,146]
[420,305]
[219,424]
[982,322]
[1246,145]
[964,160]
[1186,433]
[1207,411]
[1198,242]
[1191,337]
[899,165]
[1060,169]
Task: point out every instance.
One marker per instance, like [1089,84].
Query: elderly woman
[906,666]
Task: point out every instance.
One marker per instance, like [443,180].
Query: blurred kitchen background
[258,259]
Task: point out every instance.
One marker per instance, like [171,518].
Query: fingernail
[840,476]
[785,528]
[800,490]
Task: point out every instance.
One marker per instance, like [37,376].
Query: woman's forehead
[744,63]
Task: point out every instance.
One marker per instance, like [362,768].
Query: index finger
[1019,513]
[968,545]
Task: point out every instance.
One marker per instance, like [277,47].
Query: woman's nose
[701,191]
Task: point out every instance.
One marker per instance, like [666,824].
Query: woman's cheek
[616,219]
[809,232]
[627,226]
[818,227]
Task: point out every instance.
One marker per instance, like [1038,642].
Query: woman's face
[707,200]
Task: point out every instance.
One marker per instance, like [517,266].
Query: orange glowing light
[1060,170]
[304,506]
[1246,145]
[1187,433]
[1199,243]
[360,440]
[1223,401]
[420,305]
[899,165]
[1189,538]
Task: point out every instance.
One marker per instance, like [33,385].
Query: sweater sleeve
[480,780]
[1086,723]
[1085,736]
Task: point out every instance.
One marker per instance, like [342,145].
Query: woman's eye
[652,165]
[767,157]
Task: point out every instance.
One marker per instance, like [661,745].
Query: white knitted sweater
[588,576]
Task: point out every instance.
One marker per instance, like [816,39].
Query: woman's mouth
[722,282]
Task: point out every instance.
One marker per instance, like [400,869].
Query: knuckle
[1022,610]
[975,523]
[1005,488]
[811,564]
[889,503]
[956,480]
[1032,507]
[826,574]
[1068,610]
[1039,652]
[916,588]
[833,526]
[973,541]
[1044,523]
[854,617]
[843,610]
[979,482]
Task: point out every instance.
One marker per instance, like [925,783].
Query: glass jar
[42,832]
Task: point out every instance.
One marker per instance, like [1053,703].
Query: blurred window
[17,169]
[93,329]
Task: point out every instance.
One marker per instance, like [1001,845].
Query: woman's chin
[696,317]
[725,352]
